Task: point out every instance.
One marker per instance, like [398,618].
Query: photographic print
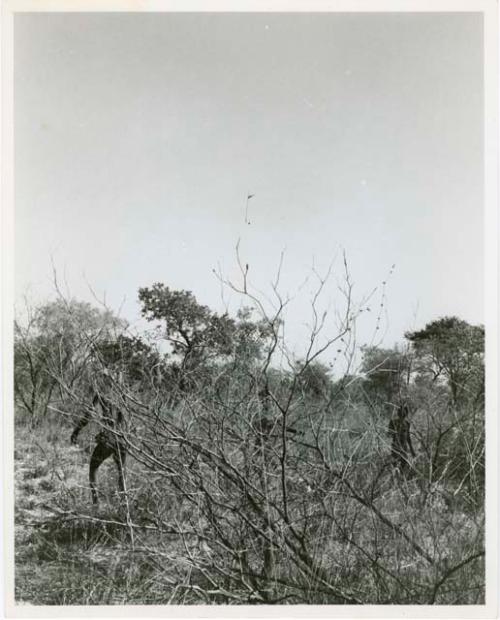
[249,308]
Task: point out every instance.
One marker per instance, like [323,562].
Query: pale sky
[138,137]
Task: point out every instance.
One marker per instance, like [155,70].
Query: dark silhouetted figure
[399,432]
[108,441]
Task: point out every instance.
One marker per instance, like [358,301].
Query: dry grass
[68,552]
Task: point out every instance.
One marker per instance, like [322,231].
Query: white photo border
[489,9]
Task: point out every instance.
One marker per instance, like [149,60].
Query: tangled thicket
[256,477]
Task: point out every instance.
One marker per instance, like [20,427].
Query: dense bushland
[253,475]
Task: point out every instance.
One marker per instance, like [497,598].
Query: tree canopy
[452,349]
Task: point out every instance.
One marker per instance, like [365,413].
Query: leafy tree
[315,380]
[193,330]
[250,337]
[387,373]
[133,357]
[450,365]
[453,350]
[33,386]
[53,347]
[197,336]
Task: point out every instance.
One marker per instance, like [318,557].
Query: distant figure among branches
[267,425]
[399,432]
[108,441]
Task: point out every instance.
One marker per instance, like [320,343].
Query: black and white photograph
[250,309]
